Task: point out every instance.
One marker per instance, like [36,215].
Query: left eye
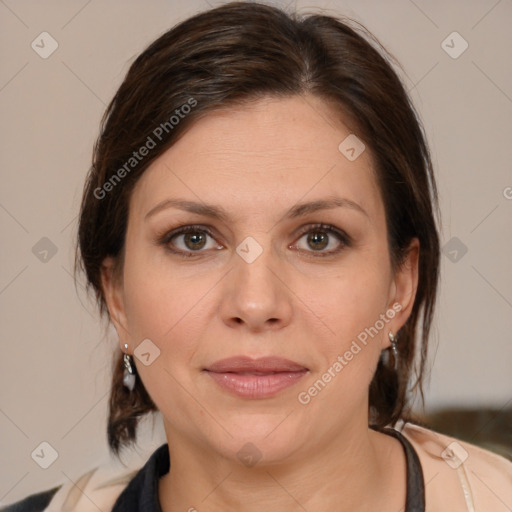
[320,237]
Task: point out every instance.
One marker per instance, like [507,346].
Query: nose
[256,296]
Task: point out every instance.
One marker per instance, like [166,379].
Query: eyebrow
[217,212]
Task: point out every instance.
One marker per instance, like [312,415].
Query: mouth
[255,378]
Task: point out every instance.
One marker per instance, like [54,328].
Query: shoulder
[459,475]
[100,486]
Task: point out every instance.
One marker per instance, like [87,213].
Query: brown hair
[228,56]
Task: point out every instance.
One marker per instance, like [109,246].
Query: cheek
[171,307]
[158,297]
[165,308]
[353,299]
[351,305]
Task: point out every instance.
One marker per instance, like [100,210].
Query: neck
[367,472]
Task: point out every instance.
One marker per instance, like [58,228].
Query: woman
[259,226]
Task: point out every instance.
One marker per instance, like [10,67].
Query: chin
[260,439]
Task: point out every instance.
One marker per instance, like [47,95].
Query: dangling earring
[129,372]
[394,349]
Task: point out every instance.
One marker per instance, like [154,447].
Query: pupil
[318,237]
[195,239]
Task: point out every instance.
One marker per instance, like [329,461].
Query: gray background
[55,360]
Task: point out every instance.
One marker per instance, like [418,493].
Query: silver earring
[394,349]
[129,372]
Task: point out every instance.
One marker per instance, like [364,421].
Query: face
[265,279]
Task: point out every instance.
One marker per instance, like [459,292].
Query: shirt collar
[141,494]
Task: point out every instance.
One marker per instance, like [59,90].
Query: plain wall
[55,361]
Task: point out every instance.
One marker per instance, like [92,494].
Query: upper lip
[262,365]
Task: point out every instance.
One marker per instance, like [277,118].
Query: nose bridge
[253,264]
[257,295]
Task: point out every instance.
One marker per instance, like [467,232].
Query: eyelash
[167,237]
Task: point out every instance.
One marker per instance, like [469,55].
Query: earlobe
[112,290]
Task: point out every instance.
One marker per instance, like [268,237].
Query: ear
[112,285]
[403,289]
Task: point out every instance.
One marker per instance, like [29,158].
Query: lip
[240,364]
[255,378]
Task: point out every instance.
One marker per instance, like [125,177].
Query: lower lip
[256,386]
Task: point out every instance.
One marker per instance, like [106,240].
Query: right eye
[193,240]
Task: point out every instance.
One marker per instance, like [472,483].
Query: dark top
[141,494]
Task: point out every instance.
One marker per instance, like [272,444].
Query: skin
[257,162]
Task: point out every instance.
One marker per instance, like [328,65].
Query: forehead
[266,155]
